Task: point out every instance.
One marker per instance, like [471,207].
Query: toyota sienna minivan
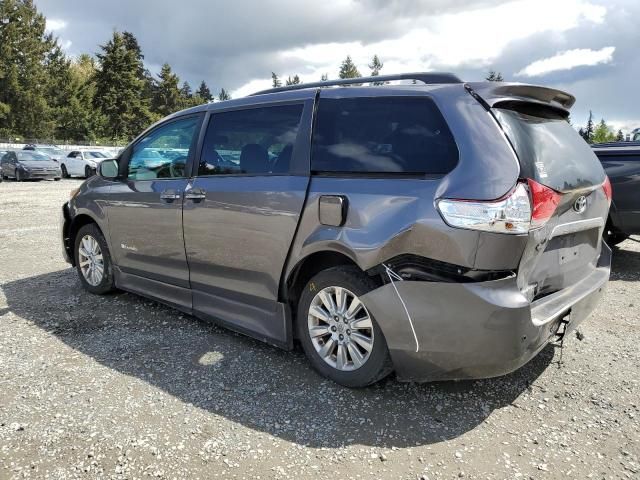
[441,230]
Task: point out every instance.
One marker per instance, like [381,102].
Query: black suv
[621,161]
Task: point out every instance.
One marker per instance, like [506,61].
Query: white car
[81,163]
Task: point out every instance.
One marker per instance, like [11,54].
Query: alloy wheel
[340,328]
[90,260]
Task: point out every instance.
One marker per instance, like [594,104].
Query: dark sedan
[29,165]
[621,161]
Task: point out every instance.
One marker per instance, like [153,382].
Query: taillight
[608,191]
[528,206]
[544,201]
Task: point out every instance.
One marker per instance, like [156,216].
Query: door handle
[195,194]
[170,195]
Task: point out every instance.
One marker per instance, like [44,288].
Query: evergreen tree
[324,77]
[603,133]
[186,91]
[167,98]
[293,81]
[587,132]
[119,90]
[375,66]
[348,69]
[620,136]
[204,93]
[224,95]
[275,81]
[494,76]
[24,47]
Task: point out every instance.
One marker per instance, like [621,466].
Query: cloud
[579,57]
[54,25]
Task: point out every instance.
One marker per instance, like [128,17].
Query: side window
[164,152]
[251,141]
[382,135]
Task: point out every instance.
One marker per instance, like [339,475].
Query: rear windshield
[550,151]
[382,135]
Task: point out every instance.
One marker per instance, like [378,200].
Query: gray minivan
[441,230]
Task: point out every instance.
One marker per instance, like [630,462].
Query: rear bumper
[447,331]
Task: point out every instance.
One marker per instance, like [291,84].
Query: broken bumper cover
[453,331]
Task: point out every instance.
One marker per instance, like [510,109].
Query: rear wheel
[93,260]
[65,174]
[19,177]
[338,334]
[87,171]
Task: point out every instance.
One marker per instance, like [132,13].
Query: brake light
[608,191]
[544,201]
[528,206]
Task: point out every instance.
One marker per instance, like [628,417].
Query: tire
[57,179]
[106,283]
[88,172]
[65,174]
[19,176]
[376,363]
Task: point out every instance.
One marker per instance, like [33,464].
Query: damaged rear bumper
[451,331]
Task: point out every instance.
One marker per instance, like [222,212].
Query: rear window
[382,135]
[550,151]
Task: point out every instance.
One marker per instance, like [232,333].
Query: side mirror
[108,168]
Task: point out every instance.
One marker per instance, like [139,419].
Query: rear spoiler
[491,94]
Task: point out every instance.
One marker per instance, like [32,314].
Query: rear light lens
[544,201]
[528,206]
[608,191]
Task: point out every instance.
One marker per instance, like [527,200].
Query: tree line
[109,97]
[599,133]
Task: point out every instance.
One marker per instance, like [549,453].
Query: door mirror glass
[108,169]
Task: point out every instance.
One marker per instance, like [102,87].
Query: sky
[589,48]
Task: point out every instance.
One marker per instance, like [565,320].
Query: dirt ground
[120,387]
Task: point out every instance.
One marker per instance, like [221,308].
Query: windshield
[28,156]
[94,155]
[550,151]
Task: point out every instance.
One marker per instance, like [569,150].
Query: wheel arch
[77,222]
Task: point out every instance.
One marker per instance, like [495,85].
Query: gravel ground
[121,387]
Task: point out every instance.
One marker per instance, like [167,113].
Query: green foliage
[293,81]
[275,80]
[603,133]
[167,98]
[494,76]
[587,131]
[375,66]
[204,93]
[224,95]
[348,69]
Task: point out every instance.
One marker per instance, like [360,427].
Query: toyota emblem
[580,204]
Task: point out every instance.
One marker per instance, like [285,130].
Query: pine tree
[166,99]
[348,69]
[620,136]
[603,133]
[24,47]
[293,81]
[224,95]
[588,130]
[494,76]
[204,93]
[275,81]
[119,90]
[375,67]
[186,91]
[324,77]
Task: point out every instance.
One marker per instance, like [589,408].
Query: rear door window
[402,135]
[550,150]
[251,141]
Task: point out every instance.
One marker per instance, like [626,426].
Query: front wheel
[19,177]
[93,260]
[338,334]
[88,171]
[65,174]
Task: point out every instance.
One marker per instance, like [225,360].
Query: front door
[241,213]
[145,210]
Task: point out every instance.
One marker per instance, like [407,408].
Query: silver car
[441,230]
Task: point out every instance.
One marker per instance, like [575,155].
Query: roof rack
[616,144]
[424,77]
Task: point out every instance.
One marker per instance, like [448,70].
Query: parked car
[2,153]
[635,135]
[621,161]
[26,165]
[53,152]
[385,228]
[81,163]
